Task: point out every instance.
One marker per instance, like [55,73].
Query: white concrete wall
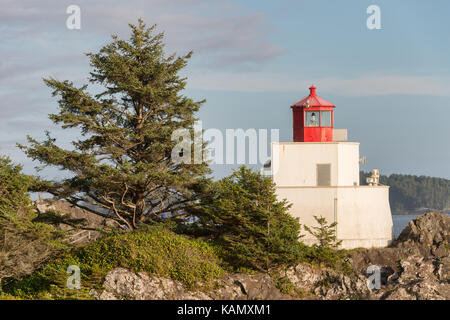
[362,213]
[348,164]
[308,202]
[364,216]
[295,163]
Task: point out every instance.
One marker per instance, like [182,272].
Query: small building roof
[313,100]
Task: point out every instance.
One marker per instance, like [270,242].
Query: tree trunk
[139,214]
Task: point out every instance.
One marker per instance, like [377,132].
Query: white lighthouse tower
[319,174]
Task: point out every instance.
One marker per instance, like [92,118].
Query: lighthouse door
[324,174]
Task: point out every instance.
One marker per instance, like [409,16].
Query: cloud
[219,37]
[389,84]
[223,41]
[368,85]
[36,44]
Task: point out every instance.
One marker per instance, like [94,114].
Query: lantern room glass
[312,119]
[325,118]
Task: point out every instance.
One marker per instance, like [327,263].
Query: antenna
[374,179]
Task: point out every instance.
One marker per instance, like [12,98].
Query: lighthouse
[319,174]
[312,119]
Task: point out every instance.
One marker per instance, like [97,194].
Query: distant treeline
[409,192]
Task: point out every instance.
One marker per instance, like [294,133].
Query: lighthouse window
[325,118]
[312,118]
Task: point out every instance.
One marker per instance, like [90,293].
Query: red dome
[313,99]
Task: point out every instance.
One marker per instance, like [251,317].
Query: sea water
[401,220]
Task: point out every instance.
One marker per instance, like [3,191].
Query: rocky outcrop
[429,234]
[247,287]
[327,284]
[123,284]
[82,224]
[420,279]
[417,266]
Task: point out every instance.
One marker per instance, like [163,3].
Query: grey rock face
[248,287]
[304,277]
[416,267]
[82,218]
[429,233]
[420,259]
[123,284]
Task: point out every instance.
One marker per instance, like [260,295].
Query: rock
[248,287]
[419,261]
[304,277]
[430,233]
[336,286]
[123,284]
[442,270]
[82,217]
[399,294]
[416,267]
[105,295]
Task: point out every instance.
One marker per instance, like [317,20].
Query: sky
[252,60]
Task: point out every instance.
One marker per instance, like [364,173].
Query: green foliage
[409,192]
[328,257]
[122,166]
[253,229]
[152,249]
[14,186]
[325,252]
[324,233]
[24,244]
[5,296]
[284,284]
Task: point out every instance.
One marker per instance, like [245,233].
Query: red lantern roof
[313,100]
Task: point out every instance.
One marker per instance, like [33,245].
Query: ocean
[401,220]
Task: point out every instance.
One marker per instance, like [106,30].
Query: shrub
[325,233]
[326,250]
[24,245]
[253,229]
[152,249]
[14,187]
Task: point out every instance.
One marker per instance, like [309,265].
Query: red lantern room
[313,119]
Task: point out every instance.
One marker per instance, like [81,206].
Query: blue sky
[252,60]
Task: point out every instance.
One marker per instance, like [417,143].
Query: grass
[152,249]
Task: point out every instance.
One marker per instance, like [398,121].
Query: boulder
[81,218]
[122,284]
[248,287]
[430,233]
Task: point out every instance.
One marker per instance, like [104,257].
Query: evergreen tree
[14,186]
[324,233]
[325,251]
[254,229]
[122,165]
[24,244]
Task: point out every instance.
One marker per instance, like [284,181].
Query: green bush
[284,284]
[24,244]
[326,251]
[152,249]
[14,187]
[253,229]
